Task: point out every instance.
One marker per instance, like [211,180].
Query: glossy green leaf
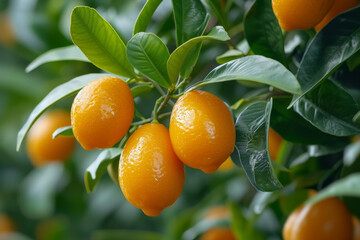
[126,235]
[178,57]
[218,10]
[60,92]
[58,54]
[229,56]
[191,19]
[98,40]
[254,68]
[141,89]
[262,31]
[95,171]
[348,186]
[292,127]
[145,15]
[63,131]
[251,146]
[148,54]
[329,108]
[332,46]
[351,153]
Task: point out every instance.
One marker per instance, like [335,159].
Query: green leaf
[254,69]
[332,46]
[58,54]
[148,54]
[95,171]
[263,33]
[126,235]
[60,92]
[178,57]
[229,55]
[251,147]
[292,127]
[218,10]
[329,108]
[98,40]
[348,186]
[63,131]
[351,153]
[191,19]
[145,15]
[141,89]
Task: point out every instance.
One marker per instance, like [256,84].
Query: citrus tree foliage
[304,85]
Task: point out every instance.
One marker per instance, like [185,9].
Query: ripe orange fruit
[41,147]
[304,14]
[338,7]
[218,212]
[202,130]
[150,174]
[102,112]
[218,233]
[6,224]
[274,143]
[328,219]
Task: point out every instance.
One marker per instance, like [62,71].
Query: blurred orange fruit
[302,15]
[275,142]
[7,36]
[328,219]
[6,224]
[218,233]
[102,112]
[338,7]
[150,174]
[202,130]
[227,165]
[356,224]
[41,147]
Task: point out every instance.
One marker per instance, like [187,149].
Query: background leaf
[251,147]
[328,50]
[329,108]
[58,93]
[348,186]
[126,235]
[95,171]
[149,55]
[263,33]
[58,54]
[255,69]
[145,15]
[292,127]
[99,41]
[179,56]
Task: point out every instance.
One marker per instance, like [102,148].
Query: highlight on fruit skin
[338,7]
[41,147]
[300,15]
[151,176]
[102,112]
[202,130]
[328,219]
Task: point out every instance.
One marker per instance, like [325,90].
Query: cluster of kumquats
[201,135]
